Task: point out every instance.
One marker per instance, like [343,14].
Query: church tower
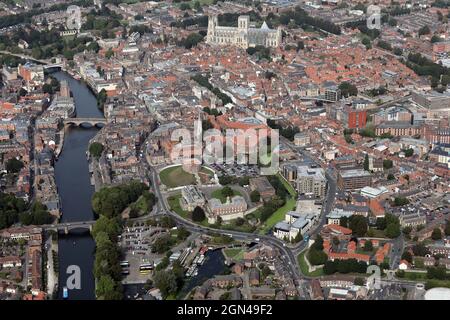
[243,23]
[213,22]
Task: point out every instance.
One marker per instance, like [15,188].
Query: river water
[75,190]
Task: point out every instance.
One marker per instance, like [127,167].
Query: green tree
[14,165]
[436,234]
[387,164]
[358,224]
[368,246]
[227,191]
[255,196]
[420,250]
[348,89]
[109,53]
[96,149]
[447,228]
[359,281]
[424,30]
[400,201]
[317,257]
[366,162]
[407,256]
[166,282]
[162,244]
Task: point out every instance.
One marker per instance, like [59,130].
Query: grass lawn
[304,266]
[278,215]
[287,185]
[176,176]
[174,203]
[377,233]
[191,3]
[234,253]
[218,195]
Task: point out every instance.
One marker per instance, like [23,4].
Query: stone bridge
[97,122]
[66,227]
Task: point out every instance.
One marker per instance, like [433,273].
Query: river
[75,191]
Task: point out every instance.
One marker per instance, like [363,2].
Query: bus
[144,272]
[146,266]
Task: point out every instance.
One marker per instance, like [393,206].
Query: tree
[348,89]
[424,30]
[390,176]
[224,180]
[227,191]
[435,38]
[317,257]
[109,53]
[101,98]
[198,214]
[96,149]
[366,162]
[408,152]
[368,246]
[392,231]
[162,244]
[13,165]
[182,233]
[107,289]
[343,222]
[447,228]
[318,243]
[255,196]
[166,282]
[420,250]
[400,201]
[358,224]
[387,164]
[197,6]
[436,234]
[359,281]
[407,256]
[185,6]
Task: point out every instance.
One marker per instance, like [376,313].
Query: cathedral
[243,36]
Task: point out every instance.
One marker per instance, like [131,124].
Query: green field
[304,267]
[218,195]
[278,215]
[191,3]
[234,253]
[176,176]
[174,203]
[287,185]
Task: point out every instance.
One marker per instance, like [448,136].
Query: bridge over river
[80,121]
[66,227]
